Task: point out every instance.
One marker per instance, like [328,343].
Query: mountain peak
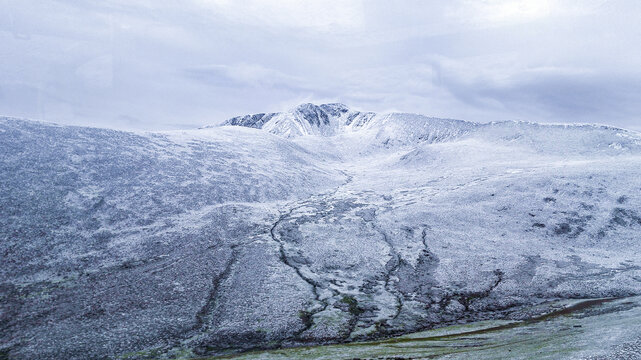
[325,107]
[320,114]
[304,119]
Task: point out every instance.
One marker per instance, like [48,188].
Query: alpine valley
[316,226]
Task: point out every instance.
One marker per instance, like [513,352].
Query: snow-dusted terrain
[317,225]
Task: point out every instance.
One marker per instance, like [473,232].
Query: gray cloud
[161,65]
[245,75]
[557,95]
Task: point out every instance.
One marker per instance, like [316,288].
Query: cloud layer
[142,64]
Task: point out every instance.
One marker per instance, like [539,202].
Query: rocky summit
[317,225]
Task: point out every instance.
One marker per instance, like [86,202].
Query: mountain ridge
[336,119]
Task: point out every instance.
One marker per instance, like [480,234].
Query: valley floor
[578,329]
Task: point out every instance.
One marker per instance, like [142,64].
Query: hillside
[317,225]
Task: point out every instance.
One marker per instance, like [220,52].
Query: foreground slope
[114,241]
[317,225]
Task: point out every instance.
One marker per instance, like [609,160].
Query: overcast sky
[155,64]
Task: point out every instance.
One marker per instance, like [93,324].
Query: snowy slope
[306,119]
[404,129]
[104,229]
[316,225]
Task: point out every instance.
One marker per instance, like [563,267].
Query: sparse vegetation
[351,301]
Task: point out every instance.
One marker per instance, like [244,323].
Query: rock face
[316,225]
[305,119]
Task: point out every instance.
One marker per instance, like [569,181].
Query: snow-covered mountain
[394,129]
[306,119]
[316,225]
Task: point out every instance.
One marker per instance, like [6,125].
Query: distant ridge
[399,129]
